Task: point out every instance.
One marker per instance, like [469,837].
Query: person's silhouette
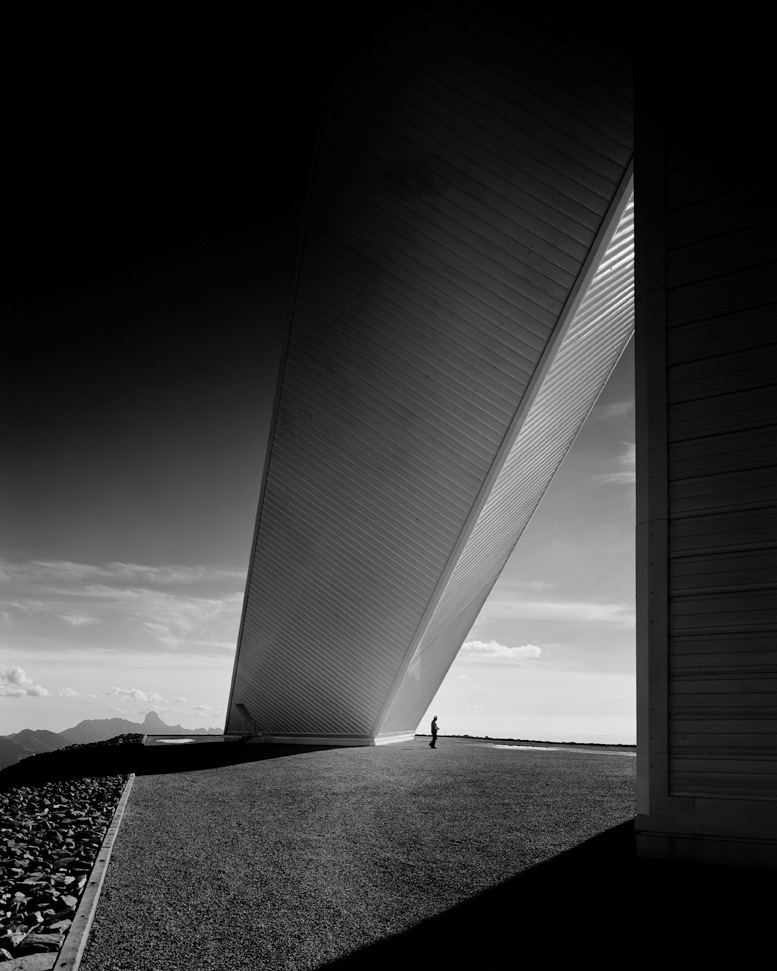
[434,733]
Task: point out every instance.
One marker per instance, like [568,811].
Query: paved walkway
[311,858]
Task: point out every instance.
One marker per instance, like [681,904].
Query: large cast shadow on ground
[596,903]
[105,760]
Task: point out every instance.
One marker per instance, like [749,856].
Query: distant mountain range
[27,742]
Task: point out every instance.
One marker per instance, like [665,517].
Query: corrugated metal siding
[722,421]
[457,194]
[586,356]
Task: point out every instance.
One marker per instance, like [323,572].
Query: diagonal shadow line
[106,760]
[596,901]
[487,929]
[159,760]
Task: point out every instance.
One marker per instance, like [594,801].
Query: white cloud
[14,683]
[78,620]
[194,609]
[173,619]
[626,473]
[531,585]
[68,693]
[67,571]
[136,694]
[53,570]
[616,409]
[14,675]
[496,650]
[558,611]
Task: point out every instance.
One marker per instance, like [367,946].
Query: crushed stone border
[71,952]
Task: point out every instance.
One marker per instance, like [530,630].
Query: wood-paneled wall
[722,479]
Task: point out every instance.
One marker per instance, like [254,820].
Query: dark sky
[158,179]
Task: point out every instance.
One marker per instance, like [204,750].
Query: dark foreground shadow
[594,903]
[104,760]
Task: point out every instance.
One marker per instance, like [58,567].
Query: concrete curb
[72,950]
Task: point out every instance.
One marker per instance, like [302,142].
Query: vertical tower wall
[707,471]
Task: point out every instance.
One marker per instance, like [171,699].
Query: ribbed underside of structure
[461,300]
[584,360]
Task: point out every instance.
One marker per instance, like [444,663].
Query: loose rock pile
[50,835]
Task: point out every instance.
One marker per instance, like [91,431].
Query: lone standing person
[434,732]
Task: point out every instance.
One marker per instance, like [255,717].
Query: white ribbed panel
[587,354]
[464,172]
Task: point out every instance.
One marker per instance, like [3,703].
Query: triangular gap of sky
[552,655]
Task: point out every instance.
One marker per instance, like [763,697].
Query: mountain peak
[154,725]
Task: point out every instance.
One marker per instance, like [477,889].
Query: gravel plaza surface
[474,855]
[308,856]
